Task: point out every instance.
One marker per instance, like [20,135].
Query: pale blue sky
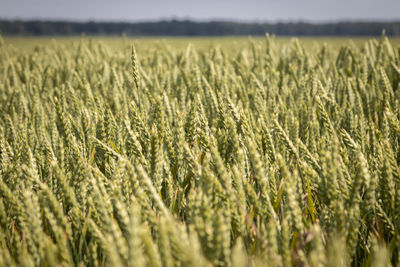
[244,10]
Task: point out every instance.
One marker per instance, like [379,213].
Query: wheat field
[259,152]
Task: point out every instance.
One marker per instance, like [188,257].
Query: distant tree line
[190,28]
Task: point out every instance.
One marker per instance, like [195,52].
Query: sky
[202,10]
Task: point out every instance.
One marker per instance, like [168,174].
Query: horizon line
[182,19]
